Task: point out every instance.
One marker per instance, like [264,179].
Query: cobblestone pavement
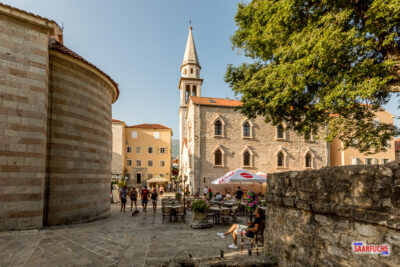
[121,240]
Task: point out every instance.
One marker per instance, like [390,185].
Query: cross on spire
[190,23]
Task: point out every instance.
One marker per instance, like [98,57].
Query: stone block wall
[23,123]
[314,216]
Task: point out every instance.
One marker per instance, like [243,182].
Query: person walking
[133,197]
[154,197]
[145,197]
[122,195]
[205,191]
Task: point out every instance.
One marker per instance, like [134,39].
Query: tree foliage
[319,64]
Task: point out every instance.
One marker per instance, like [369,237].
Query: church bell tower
[189,83]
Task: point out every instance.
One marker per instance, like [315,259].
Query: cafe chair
[167,212]
[258,238]
[180,213]
[225,215]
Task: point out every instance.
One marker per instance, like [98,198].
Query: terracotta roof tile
[54,45]
[211,101]
[149,126]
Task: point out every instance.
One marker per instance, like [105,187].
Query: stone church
[215,138]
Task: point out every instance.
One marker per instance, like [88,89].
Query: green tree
[319,65]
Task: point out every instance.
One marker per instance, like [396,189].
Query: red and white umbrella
[239,176]
[262,174]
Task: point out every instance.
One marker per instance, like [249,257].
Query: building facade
[351,156]
[118,149]
[145,149]
[215,138]
[397,149]
[55,127]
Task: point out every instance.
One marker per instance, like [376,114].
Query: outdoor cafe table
[218,210]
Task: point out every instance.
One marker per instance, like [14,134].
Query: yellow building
[352,156]
[148,152]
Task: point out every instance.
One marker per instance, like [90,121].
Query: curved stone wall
[80,141]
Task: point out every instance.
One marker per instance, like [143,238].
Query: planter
[199,220]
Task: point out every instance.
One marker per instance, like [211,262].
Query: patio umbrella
[262,174]
[157,180]
[239,176]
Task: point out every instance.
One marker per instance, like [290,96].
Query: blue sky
[140,44]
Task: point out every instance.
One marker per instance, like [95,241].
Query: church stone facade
[215,138]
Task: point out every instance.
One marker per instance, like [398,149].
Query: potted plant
[199,208]
[178,196]
[251,201]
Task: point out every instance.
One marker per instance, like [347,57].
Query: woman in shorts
[250,230]
[154,197]
[133,197]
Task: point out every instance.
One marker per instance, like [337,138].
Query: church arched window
[218,158]
[308,160]
[280,132]
[218,155]
[187,94]
[194,90]
[191,70]
[281,159]
[246,158]
[246,129]
[218,128]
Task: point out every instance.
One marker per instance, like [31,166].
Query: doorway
[138,178]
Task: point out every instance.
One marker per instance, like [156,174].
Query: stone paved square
[121,240]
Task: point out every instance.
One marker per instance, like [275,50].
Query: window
[128,175]
[187,93]
[150,150]
[128,162]
[194,90]
[281,159]
[138,163]
[156,135]
[162,163]
[191,70]
[128,149]
[161,175]
[134,135]
[384,161]
[185,71]
[150,163]
[150,175]
[375,161]
[308,160]
[218,158]
[246,129]
[368,161]
[163,150]
[218,128]
[138,150]
[246,158]
[280,134]
[354,161]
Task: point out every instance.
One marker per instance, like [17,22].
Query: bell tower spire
[189,83]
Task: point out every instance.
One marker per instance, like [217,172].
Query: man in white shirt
[205,191]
